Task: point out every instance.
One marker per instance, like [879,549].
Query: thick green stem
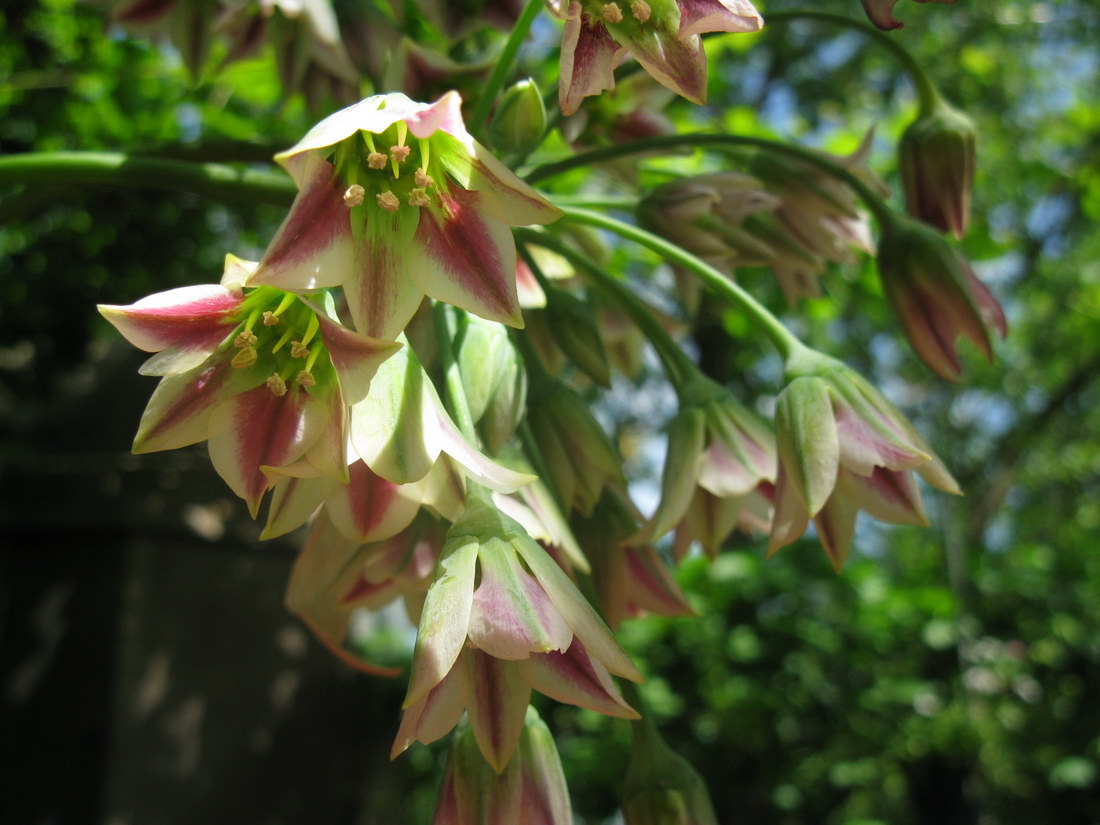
[637,147]
[926,89]
[784,340]
[118,169]
[503,66]
[676,364]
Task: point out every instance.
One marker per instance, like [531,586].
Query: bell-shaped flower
[501,618]
[844,448]
[661,787]
[531,790]
[631,577]
[717,446]
[265,375]
[881,12]
[936,296]
[662,35]
[936,162]
[186,23]
[397,201]
[710,519]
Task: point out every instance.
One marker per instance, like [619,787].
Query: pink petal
[192,318]
[790,519]
[178,414]
[588,59]
[258,428]
[702,16]
[293,502]
[466,258]
[443,435]
[836,524]
[313,247]
[651,585]
[677,64]
[889,496]
[512,616]
[576,678]
[496,702]
[369,508]
[530,293]
[434,716]
[355,357]
[445,115]
[988,306]
[863,446]
[881,13]
[381,294]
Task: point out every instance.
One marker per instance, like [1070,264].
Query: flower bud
[575,332]
[662,788]
[936,161]
[936,296]
[520,119]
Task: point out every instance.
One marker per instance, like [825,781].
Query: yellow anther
[388,201]
[306,379]
[276,384]
[641,10]
[245,339]
[400,153]
[245,358]
[353,195]
[418,197]
[297,350]
[376,160]
[612,13]
[270,318]
[422,179]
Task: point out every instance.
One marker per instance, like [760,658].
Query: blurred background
[150,674]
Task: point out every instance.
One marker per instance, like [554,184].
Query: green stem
[214,180]
[926,89]
[636,147]
[455,391]
[784,340]
[503,65]
[676,364]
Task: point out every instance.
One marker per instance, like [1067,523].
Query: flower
[661,787]
[936,161]
[715,446]
[881,12]
[397,201]
[484,648]
[265,375]
[531,789]
[843,448]
[662,35]
[936,296]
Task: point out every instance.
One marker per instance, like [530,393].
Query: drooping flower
[881,12]
[936,296]
[844,448]
[936,162]
[501,618]
[662,35]
[661,787]
[265,375]
[397,201]
[530,790]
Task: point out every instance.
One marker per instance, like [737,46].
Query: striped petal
[589,56]
[434,716]
[836,524]
[369,508]
[889,496]
[702,16]
[575,678]
[257,429]
[496,703]
[355,357]
[293,502]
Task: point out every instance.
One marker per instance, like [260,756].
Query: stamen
[297,350]
[245,358]
[276,384]
[285,304]
[388,201]
[612,13]
[354,195]
[245,339]
[418,197]
[270,318]
[400,153]
[422,179]
[641,10]
[376,160]
[305,379]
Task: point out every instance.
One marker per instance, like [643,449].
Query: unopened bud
[936,161]
[354,195]
[574,329]
[520,119]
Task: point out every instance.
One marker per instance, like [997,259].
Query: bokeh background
[150,674]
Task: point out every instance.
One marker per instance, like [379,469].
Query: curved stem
[926,89]
[503,66]
[636,147]
[676,364]
[119,169]
[784,340]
